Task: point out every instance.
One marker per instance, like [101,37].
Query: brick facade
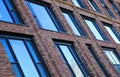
[45,44]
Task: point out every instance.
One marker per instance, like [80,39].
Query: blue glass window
[93,26]
[44,16]
[79,3]
[114,6]
[73,23]
[94,6]
[113,58]
[107,9]
[9,13]
[24,58]
[72,60]
[112,32]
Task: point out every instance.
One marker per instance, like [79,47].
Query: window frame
[13,12]
[105,49]
[94,6]
[81,5]
[77,25]
[112,29]
[49,11]
[96,25]
[74,54]
[37,54]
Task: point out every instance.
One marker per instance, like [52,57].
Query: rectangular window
[113,58]
[93,26]
[71,59]
[112,32]
[8,12]
[79,3]
[92,51]
[107,9]
[94,6]
[114,6]
[23,57]
[44,16]
[73,23]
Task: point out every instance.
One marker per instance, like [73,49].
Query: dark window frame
[113,29]
[96,26]
[50,12]
[75,55]
[80,2]
[13,11]
[117,56]
[37,54]
[75,22]
[95,6]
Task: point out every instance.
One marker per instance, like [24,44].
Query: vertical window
[44,16]
[93,26]
[94,6]
[71,59]
[112,32]
[73,23]
[107,9]
[92,51]
[79,3]
[8,12]
[114,6]
[113,58]
[24,58]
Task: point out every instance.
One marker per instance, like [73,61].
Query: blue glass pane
[38,63]
[70,59]
[43,17]
[23,58]
[72,25]
[112,34]
[94,29]
[4,14]
[7,49]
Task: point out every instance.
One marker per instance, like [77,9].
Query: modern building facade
[59,38]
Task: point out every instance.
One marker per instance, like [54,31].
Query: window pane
[112,34]
[43,17]
[23,58]
[79,3]
[94,6]
[38,62]
[109,56]
[72,25]
[93,29]
[76,3]
[71,61]
[114,57]
[4,14]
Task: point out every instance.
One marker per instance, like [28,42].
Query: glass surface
[38,63]
[76,3]
[43,17]
[93,5]
[112,57]
[23,58]
[70,59]
[4,14]
[72,25]
[112,34]
[93,29]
